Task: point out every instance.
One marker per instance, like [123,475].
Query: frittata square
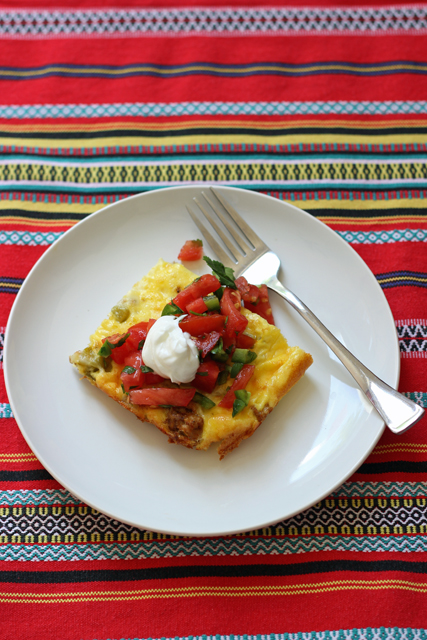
[276,368]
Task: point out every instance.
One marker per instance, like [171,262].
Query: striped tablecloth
[319,106]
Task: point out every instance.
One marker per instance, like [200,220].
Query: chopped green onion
[236,368]
[123,389]
[172,310]
[107,347]
[212,303]
[244,356]
[146,369]
[129,370]
[141,344]
[205,402]
[202,373]
[194,313]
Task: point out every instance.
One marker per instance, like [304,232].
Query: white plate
[318,435]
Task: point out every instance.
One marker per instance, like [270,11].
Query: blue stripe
[209,547]
[5,410]
[384,237]
[28,238]
[164,109]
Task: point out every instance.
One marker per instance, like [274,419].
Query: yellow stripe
[40,222]
[183,123]
[17,457]
[207,591]
[400,278]
[356,222]
[236,71]
[9,284]
[221,137]
[405,448]
[53,207]
[404,203]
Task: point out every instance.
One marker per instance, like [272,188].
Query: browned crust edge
[233,440]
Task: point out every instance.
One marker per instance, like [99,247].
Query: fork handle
[398,412]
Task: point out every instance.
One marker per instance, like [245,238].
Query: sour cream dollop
[171,352]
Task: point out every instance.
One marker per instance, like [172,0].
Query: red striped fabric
[350,97]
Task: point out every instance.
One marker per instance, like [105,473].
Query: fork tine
[244,248]
[217,249]
[256,242]
[232,249]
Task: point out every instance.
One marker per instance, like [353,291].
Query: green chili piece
[218,352]
[203,401]
[244,356]
[212,303]
[236,368]
[241,401]
[222,377]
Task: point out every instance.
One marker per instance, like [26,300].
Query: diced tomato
[153,378]
[119,353]
[134,359]
[207,342]
[206,376]
[137,333]
[249,292]
[200,287]
[240,382]
[192,250]
[150,324]
[136,379]
[198,325]
[245,341]
[197,306]
[132,380]
[263,308]
[156,397]
[230,306]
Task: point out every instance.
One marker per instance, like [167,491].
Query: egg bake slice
[275,370]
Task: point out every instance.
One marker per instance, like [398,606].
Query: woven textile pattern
[321,106]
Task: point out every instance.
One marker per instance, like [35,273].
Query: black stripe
[368,213]
[211,571]
[24,476]
[44,215]
[395,466]
[219,131]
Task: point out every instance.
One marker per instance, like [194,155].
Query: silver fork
[260,265]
